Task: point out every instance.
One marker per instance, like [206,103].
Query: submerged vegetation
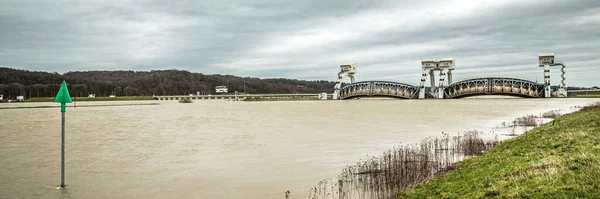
[400,168]
[552,114]
[533,120]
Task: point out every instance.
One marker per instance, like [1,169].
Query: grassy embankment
[587,94]
[253,99]
[560,159]
[89,99]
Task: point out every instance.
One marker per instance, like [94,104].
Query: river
[224,149]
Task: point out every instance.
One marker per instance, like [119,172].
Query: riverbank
[587,94]
[94,105]
[42,105]
[94,99]
[560,159]
[258,99]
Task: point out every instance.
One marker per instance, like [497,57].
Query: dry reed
[400,168]
[552,114]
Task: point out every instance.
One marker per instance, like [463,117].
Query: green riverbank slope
[557,160]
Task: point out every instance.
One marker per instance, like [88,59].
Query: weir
[446,89]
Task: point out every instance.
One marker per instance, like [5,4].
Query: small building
[92,95]
[433,64]
[20,99]
[221,89]
[546,59]
[427,64]
[350,68]
[323,96]
[447,63]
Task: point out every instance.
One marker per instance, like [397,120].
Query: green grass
[587,96]
[279,99]
[86,99]
[588,93]
[557,160]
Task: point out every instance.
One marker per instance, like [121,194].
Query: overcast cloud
[304,39]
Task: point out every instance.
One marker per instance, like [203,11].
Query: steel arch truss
[379,89]
[494,86]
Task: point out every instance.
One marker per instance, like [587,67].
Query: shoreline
[261,99]
[496,134]
[92,99]
[56,105]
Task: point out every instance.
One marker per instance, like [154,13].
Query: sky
[305,39]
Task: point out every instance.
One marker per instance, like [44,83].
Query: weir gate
[446,89]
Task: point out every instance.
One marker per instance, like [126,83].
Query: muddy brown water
[223,149]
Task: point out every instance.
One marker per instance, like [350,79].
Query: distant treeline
[14,82]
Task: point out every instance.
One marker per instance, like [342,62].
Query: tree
[27,90]
[129,91]
[15,89]
[165,82]
[78,89]
[3,87]
[117,91]
[37,88]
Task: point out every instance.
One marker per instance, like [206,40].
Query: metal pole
[62,153]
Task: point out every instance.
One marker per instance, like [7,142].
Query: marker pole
[62,151]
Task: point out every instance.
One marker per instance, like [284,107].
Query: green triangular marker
[63,97]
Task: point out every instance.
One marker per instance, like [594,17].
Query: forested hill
[30,84]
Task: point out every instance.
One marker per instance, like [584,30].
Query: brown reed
[552,114]
[402,167]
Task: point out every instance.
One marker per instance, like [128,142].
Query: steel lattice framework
[494,86]
[379,89]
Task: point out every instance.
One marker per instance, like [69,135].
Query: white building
[221,89]
[432,64]
[546,59]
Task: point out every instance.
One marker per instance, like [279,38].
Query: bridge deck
[464,88]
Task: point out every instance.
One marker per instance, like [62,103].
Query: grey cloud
[303,39]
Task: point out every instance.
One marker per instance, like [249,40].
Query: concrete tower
[346,70]
[445,66]
[546,60]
